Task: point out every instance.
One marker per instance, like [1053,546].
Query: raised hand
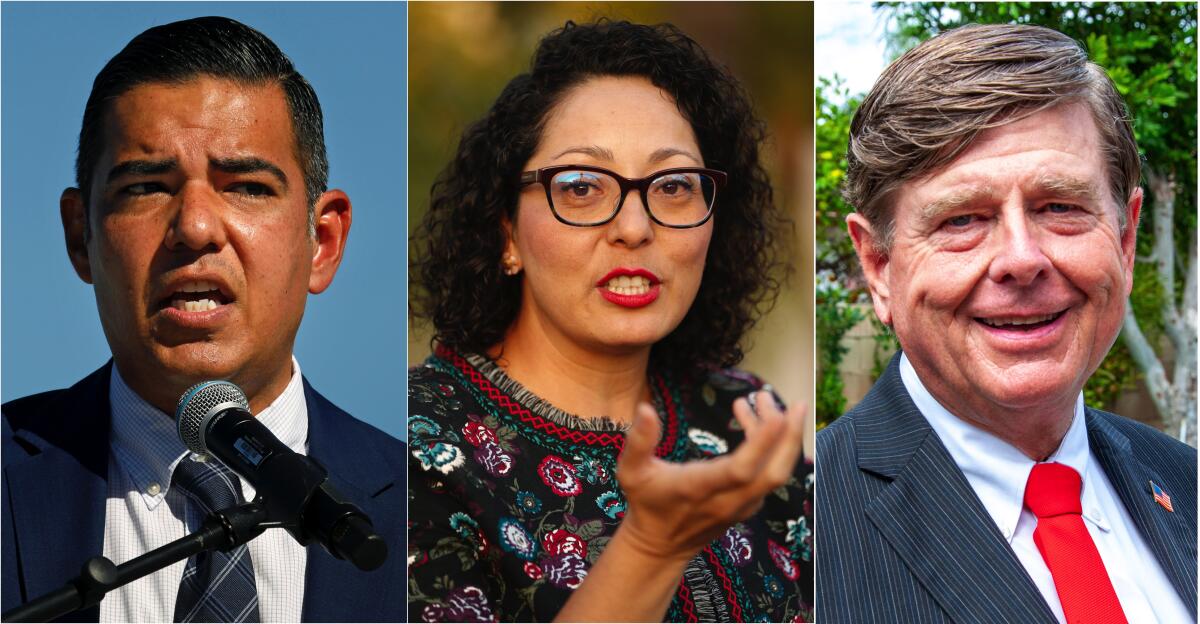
[676,509]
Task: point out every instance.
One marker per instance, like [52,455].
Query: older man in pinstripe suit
[995,177]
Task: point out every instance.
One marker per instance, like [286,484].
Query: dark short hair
[929,105]
[455,265]
[206,46]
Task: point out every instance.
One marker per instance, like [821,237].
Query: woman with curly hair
[590,262]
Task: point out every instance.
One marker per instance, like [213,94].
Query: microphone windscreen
[199,404]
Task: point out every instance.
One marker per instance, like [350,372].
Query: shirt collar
[996,469]
[146,446]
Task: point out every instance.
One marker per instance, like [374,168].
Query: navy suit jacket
[55,454]
[903,537]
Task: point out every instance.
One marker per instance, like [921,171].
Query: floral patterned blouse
[512,500]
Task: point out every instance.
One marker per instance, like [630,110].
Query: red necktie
[1087,595]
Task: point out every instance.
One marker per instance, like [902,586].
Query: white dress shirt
[998,471]
[144,512]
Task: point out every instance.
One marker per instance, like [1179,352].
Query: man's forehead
[225,117]
[196,102]
[1052,151]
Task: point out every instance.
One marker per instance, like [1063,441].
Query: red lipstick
[629,301]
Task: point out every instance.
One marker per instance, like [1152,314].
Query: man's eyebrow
[141,167]
[954,201]
[594,151]
[249,165]
[1067,187]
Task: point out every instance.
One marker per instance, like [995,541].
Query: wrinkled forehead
[1055,151]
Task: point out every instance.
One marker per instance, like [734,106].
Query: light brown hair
[932,102]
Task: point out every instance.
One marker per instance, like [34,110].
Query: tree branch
[1143,354]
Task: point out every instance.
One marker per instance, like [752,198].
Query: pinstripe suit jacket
[902,537]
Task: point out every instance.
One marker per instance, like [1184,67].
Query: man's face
[1007,279]
[199,248]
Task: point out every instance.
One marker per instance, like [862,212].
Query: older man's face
[1007,278]
[199,251]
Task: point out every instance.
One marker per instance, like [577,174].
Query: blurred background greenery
[1149,50]
[461,54]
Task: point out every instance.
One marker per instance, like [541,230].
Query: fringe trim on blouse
[532,402]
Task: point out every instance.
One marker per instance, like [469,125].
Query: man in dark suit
[203,221]
[995,177]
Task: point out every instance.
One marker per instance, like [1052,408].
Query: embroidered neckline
[533,411]
[542,407]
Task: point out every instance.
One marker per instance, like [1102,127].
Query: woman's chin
[627,342]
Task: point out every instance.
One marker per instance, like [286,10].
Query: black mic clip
[307,505]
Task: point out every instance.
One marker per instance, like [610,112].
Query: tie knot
[1053,490]
[210,483]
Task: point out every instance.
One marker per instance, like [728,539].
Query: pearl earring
[511,266]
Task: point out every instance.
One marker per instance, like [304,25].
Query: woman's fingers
[742,469]
[787,451]
[640,442]
[745,416]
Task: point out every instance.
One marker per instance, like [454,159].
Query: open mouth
[1021,323]
[628,285]
[197,296]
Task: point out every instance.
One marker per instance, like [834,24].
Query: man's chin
[163,378]
[1029,387]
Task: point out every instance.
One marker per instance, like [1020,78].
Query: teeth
[1017,320]
[198,286]
[628,285]
[203,305]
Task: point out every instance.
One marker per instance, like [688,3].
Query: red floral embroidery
[783,560]
[477,434]
[562,542]
[559,476]
[532,570]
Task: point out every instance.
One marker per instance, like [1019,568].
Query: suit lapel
[1169,538]
[62,489]
[336,591]
[932,518]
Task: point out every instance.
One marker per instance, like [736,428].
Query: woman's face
[622,286]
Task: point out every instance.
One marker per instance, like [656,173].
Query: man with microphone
[202,219]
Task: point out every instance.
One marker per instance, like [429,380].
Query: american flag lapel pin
[1161,497]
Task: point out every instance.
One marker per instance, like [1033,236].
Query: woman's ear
[510,260]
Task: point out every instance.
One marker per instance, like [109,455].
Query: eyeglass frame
[642,185]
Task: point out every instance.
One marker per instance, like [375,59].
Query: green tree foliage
[835,108]
[839,279]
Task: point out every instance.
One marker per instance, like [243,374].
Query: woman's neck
[588,383]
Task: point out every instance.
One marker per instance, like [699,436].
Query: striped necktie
[217,586]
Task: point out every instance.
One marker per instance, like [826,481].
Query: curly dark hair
[455,264]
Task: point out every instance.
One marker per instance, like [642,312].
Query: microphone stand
[221,530]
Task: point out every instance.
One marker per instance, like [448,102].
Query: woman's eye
[578,189]
[673,186]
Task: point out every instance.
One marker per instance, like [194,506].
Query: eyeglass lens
[586,197]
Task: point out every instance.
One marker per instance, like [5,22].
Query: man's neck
[164,392]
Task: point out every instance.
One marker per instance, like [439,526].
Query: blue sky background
[351,344]
[852,33]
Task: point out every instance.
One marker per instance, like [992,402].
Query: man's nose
[632,226]
[197,222]
[1019,256]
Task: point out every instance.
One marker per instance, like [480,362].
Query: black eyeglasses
[583,196]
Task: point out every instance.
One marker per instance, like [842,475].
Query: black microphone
[214,418]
